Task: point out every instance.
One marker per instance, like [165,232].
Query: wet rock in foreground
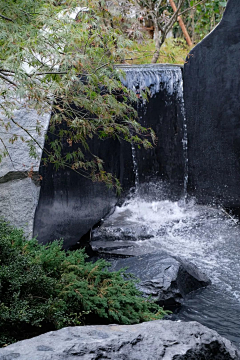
[153,340]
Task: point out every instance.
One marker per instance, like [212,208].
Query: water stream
[184,140]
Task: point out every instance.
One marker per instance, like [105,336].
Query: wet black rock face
[165,278]
[161,339]
[211,92]
[70,204]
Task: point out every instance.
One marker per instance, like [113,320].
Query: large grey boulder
[19,173]
[211,93]
[153,340]
[167,279]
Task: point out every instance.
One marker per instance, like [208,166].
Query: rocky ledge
[155,340]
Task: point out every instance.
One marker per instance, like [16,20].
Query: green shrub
[44,288]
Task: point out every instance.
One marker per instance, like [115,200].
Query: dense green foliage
[201,18]
[44,288]
[54,49]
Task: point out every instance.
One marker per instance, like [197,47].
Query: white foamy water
[205,235]
[155,78]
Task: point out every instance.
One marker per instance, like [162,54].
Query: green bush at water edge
[44,288]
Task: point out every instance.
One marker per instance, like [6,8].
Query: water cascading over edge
[164,112]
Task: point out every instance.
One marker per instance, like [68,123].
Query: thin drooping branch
[6,18]
[100,67]
[191,7]
[7,71]
[24,129]
[8,80]
[82,173]
[6,149]
[49,73]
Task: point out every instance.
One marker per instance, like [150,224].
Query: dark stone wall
[165,161]
[212,102]
[70,205]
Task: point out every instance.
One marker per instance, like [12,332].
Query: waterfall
[184,140]
[156,80]
[157,220]
[135,169]
[154,77]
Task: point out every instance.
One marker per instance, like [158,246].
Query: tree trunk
[193,25]
[181,23]
[159,39]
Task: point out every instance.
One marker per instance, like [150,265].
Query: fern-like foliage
[44,288]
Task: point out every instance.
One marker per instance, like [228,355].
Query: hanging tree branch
[6,18]
[192,7]
[8,80]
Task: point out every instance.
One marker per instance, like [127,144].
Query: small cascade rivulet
[184,141]
[151,219]
[135,169]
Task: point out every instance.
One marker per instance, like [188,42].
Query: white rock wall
[19,192]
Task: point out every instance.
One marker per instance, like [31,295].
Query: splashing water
[204,235]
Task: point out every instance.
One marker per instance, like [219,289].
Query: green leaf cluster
[43,288]
[202,18]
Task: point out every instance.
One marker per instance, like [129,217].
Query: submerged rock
[153,340]
[114,237]
[165,278]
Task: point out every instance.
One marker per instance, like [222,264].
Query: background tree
[162,16]
[202,17]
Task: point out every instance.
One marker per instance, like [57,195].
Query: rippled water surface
[205,235]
